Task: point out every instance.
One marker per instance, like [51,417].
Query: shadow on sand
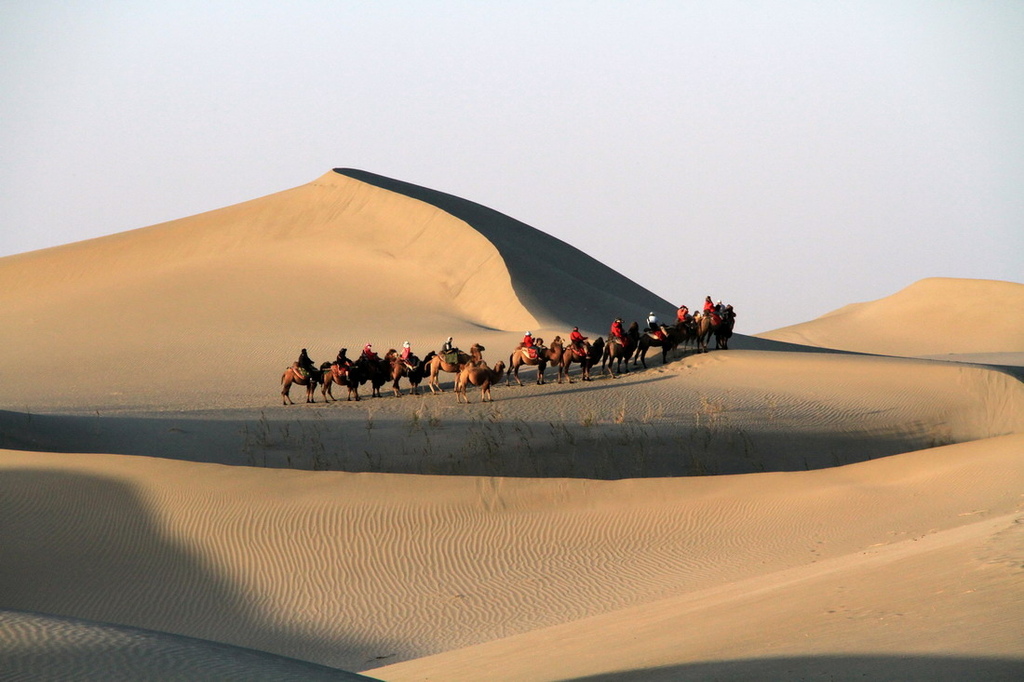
[88,547]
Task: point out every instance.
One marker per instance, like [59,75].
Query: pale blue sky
[788,157]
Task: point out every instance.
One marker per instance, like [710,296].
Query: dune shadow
[45,647]
[902,668]
[89,547]
[557,282]
[435,436]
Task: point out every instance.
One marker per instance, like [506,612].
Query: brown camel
[478,375]
[294,375]
[440,364]
[705,329]
[350,376]
[545,355]
[590,357]
[618,352]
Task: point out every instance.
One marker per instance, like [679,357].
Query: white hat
[529,334]
[405,345]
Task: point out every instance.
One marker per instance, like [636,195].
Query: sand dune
[937,317]
[774,511]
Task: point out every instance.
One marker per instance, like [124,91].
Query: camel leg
[432,384]
[286,389]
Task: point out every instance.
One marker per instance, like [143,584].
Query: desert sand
[840,499]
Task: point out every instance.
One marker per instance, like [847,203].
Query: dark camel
[672,337]
[413,373]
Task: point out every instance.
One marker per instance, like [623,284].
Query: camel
[589,359]
[439,364]
[478,375]
[294,375]
[618,352]
[705,328]
[399,369]
[348,376]
[545,355]
[724,331]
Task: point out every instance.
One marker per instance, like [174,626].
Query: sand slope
[349,569]
[865,520]
[936,316]
[233,294]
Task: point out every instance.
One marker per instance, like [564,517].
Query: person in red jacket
[709,305]
[617,332]
[682,313]
[528,340]
[578,340]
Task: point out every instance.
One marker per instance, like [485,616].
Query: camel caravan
[624,345]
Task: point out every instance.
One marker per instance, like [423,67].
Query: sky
[786,157]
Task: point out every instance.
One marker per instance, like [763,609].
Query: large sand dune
[934,317]
[156,500]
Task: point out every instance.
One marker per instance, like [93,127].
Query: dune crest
[935,316]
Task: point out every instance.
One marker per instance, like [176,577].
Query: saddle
[656,333]
[451,357]
[580,351]
[530,353]
[338,371]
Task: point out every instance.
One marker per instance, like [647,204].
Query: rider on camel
[448,353]
[407,358]
[305,364]
[527,345]
[653,326]
[578,341]
[682,314]
[708,304]
[342,359]
[369,353]
[618,333]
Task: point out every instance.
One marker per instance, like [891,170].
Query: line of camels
[470,369]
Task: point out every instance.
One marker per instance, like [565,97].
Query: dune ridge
[933,317]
